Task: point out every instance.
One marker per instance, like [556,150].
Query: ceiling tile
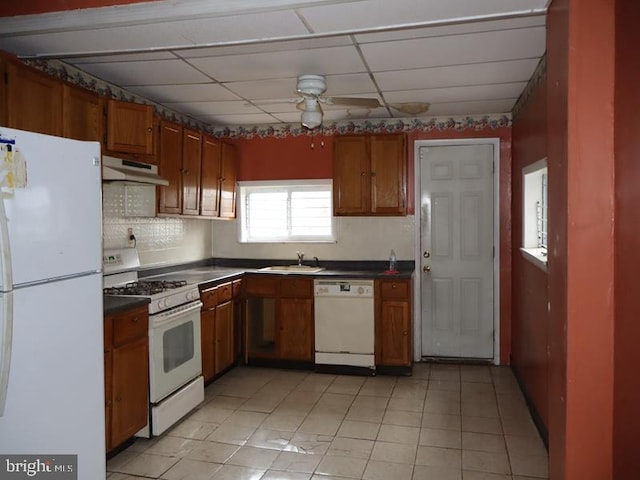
[199,109]
[456,50]
[350,84]
[458,75]
[184,93]
[124,57]
[471,108]
[274,88]
[457,94]
[376,13]
[157,72]
[253,119]
[281,64]
[452,29]
[279,46]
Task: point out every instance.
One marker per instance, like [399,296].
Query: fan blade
[275,101]
[353,101]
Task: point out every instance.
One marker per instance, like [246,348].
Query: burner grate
[144,287]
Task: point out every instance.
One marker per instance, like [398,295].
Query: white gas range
[176,384]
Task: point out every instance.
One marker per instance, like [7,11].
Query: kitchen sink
[291,269]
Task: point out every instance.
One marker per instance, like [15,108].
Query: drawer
[395,289]
[262,286]
[209,298]
[237,288]
[296,288]
[224,292]
[108,333]
[130,325]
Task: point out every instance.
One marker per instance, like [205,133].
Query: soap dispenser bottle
[392,261]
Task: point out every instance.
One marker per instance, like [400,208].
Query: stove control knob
[360,290]
[162,303]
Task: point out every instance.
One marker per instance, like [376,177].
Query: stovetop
[145,287]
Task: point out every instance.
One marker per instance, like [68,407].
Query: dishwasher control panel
[343,288]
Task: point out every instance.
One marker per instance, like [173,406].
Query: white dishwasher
[344,325]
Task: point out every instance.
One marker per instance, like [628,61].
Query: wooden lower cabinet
[295,335]
[280,318]
[130,370]
[393,323]
[126,366]
[224,343]
[217,330]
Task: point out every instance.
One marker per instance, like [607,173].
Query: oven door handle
[169,316]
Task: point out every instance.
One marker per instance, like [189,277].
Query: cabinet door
[108,395]
[191,160]
[130,385]
[224,336]
[228,181]
[129,127]
[396,339]
[351,175]
[170,167]
[210,179]
[82,114]
[207,341]
[388,174]
[295,329]
[34,100]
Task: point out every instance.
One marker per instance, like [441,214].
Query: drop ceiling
[235,62]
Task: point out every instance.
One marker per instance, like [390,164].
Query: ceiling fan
[310,88]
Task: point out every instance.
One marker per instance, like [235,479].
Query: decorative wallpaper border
[82,79]
[539,76]
[391,125]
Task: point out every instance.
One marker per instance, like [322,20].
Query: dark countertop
[213,272]
[113,304]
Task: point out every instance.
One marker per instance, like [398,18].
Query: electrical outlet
[131,239]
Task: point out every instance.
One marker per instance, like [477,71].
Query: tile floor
[446,422]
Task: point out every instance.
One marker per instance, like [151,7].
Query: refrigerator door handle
[6,335]
[5,352]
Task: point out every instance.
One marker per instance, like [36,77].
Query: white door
[457,248]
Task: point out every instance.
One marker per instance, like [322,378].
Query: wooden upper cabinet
[351,192]
[82,114]
[228,177]
[129,127]
[369,175]
[170,167]
[388,174]
[191,160]
[34,100]
[210,177]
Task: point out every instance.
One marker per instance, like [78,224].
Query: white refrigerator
[51,350]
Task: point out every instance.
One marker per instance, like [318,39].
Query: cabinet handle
[149,130]
[107,404]
[405,333]
[186,172]
[134,320]
[362,174]
[118,398]
[393,285]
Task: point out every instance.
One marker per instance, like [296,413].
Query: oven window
[178,346]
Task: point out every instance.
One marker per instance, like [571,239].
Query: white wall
[159,240]
[359,238]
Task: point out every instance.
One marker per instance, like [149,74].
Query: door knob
[426,254]
[426,268]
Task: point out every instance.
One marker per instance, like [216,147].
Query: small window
[292,211]
[535,212]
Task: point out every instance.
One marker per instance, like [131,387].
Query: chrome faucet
[300,257]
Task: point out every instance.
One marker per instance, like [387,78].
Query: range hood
[117,169]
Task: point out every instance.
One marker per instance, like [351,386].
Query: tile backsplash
[359,238]
[160,240]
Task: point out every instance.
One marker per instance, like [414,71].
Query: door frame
[417,292]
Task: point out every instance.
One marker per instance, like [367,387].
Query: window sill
[537,256]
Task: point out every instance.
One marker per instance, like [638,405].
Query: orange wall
[26,7]
[627,315]
[580,41]
[530,319]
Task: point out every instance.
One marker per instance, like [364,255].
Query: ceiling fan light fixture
[311,119]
